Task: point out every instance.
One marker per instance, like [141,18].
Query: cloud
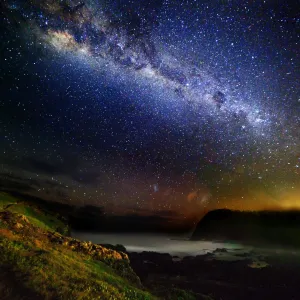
[44,167]
[10,181]
[69,166]
[13,185]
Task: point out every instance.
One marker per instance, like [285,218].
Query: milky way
[84,32]
[152,106]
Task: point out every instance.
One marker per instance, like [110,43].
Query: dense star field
[166,108]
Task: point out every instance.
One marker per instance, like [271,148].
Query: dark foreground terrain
[266,267]
[39,260]
[275,277]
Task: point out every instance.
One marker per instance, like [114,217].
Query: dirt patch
[8,234]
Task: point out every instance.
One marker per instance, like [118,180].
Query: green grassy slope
[35,215]
[38,260]
[49,265]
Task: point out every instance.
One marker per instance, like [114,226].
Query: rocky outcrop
[246,278]
[118,260]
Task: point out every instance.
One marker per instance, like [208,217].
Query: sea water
[162,243]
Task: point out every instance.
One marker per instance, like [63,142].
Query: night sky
[161,107]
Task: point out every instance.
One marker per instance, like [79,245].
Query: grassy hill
[38,261]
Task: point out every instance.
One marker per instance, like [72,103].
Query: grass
[52,270]
[35,215]
[43,262]
[6,199]
[56,273]
[181,295]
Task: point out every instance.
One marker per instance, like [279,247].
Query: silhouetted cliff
[254,227]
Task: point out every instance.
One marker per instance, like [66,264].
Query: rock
[242,255]
[258,264]
[117,247]
[176,258]
[18,226]
[220,250]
